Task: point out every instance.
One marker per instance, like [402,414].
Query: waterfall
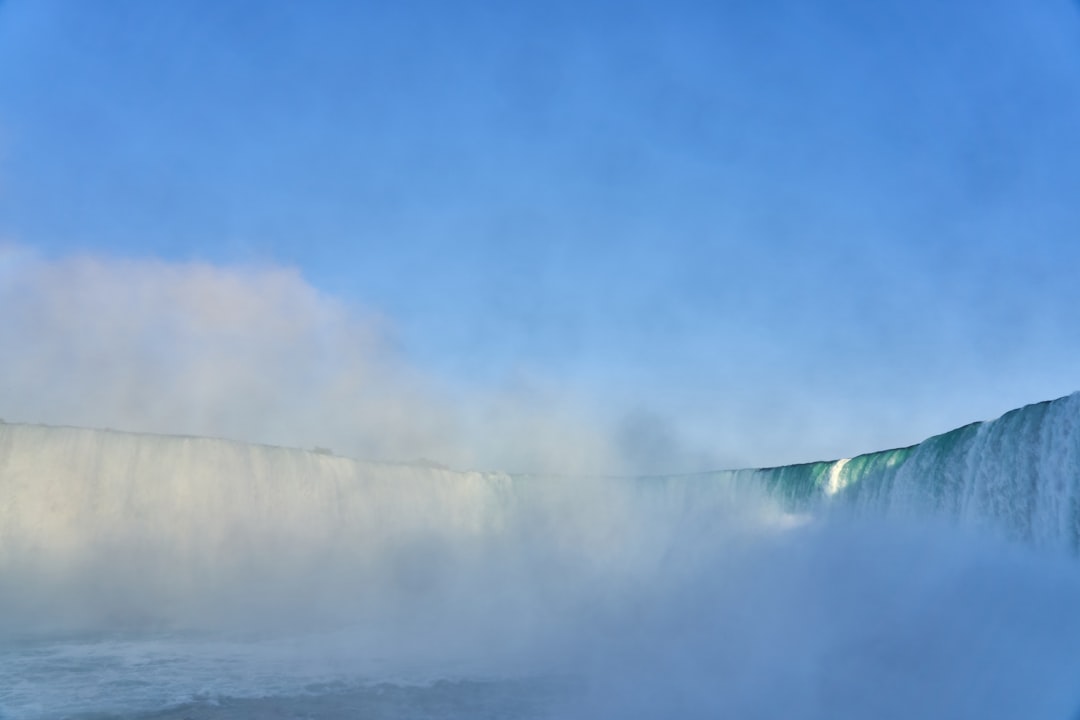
[146,572]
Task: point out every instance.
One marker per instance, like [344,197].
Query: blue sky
[764,231]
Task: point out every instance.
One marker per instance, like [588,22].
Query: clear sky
[740,232]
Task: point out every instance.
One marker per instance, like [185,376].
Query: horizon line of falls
[144,574]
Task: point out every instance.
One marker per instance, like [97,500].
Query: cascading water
[190,577]
[1018,476]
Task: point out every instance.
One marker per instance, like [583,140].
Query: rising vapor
[254,353]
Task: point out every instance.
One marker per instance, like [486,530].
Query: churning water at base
[146,576]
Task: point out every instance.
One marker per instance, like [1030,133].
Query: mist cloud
[255,353]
